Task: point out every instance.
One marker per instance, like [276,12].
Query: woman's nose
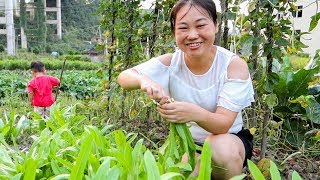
[193,34]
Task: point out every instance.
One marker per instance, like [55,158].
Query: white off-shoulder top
[208,90]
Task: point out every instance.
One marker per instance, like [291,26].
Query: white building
[301,22]
[8,7]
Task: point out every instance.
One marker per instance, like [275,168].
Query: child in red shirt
[40,89]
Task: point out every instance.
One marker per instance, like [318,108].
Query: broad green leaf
[98,138]
[296,176]
[61,177]
[151,166]
[271,81]
[188,145]
[77,171]
[94,162]
[30,168]
[171,175]
[113,174]
[5,129]
[41,150]
[314,21]
[137,151]
[58,117]
[246,39]
[137,157]
[255,172]
[16,177]
[205,164]
[23,123]
[184,166]
[282,42]
[313,111]
[299,84]
[65,163]
[120,138]
[103,169]
[239,177]
[41,141]
[304,101]
[275,174]
[5,157]
[55,168]
[271,100]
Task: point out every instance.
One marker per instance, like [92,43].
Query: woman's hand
[180,112]
[153,90]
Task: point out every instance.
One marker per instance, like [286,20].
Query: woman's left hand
[179,112]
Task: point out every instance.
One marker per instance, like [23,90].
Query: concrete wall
[30,9]
[302,23]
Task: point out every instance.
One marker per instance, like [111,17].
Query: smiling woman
[209,84]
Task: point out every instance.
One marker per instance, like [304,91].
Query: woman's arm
[130,79]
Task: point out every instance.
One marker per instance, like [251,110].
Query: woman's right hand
[153,90]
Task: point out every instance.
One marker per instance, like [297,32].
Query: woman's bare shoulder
[238,69]
[165,59]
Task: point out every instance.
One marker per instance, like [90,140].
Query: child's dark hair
[37,66]
[207,5]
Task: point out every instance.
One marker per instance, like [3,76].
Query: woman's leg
[228,155]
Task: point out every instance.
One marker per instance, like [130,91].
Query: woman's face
[194,31]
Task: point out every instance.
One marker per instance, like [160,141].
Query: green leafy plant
[273,170]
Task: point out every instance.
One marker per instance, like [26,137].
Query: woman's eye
[182,28]
[202,25]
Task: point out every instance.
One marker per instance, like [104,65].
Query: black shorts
[247,139]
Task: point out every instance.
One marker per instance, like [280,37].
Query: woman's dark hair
[37,66]
[207,5]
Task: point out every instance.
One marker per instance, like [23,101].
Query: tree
[41,25]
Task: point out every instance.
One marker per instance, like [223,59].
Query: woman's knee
[226,148]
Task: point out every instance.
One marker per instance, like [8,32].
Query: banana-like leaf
[205,164]
[30,168]
[275,174]
[151,166]
[77,171]
[255,172]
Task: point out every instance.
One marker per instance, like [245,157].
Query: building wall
[2,18]
[302,23]
[30,9]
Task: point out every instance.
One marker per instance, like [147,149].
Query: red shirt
[41,87]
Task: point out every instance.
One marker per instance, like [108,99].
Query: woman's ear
[216,28]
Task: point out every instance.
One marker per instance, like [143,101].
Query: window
[279,15]
[297,13]
[51,3]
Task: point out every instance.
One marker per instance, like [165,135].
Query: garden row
[79,84]
[69,146]
[50,65]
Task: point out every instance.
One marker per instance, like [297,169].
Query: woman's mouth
[194,45]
